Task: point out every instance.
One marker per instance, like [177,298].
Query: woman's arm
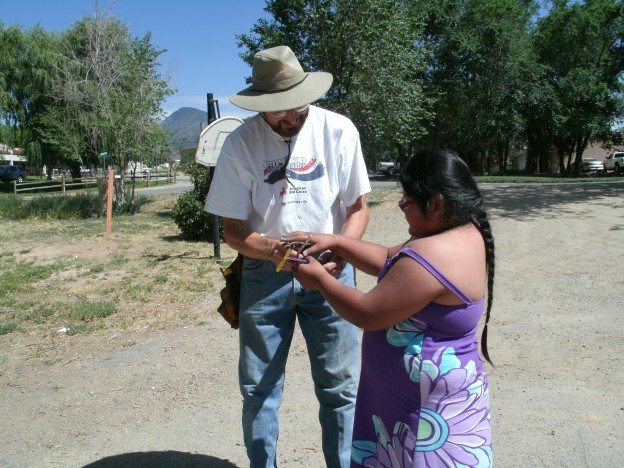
[405,290]
[365,256]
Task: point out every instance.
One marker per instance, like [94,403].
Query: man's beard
[288,131]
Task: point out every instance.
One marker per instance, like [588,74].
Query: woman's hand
[309,274]
[313,243]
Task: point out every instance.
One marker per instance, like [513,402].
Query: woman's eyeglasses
[405,204]
[282,114]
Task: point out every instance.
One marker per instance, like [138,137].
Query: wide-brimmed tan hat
[279,83]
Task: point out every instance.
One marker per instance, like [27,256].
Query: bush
[188,212]
[11,207]
[79,206]
[190,217]
[130,206]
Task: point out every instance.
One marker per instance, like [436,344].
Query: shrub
[131,206]
[188,212]
[79,206]
[11,207]
[190,217]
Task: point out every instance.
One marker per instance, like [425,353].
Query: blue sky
[201,56]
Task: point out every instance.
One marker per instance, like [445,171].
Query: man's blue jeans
[270,303]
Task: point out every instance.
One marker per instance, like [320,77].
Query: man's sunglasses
[282,114]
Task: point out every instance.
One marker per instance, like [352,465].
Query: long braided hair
[442,172]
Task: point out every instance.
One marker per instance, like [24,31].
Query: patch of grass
[82,205]
[25,305]
[88,311]
[99,268]
[19,276]
[161,278]
[40,313]
[6,328]
[196,286]
[118,260]
[80,329]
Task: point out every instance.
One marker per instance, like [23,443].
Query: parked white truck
[614,162]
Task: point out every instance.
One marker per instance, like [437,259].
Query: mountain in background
[184,127]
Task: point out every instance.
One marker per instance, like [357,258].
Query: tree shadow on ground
[166,459]
[544,200]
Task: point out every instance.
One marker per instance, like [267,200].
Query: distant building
[10,155]
[598,152]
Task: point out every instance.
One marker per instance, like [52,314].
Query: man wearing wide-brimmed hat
[292,167]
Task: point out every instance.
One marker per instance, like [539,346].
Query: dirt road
[170,398]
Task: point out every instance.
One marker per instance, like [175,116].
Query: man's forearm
[357,219]
[251,244]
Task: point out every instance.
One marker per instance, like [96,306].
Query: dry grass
[66,275]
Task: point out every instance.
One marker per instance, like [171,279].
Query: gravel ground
[170,398]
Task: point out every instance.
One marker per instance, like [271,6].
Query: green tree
[479,71]
[369,48]
[107,95]
[26,72]
[581,45]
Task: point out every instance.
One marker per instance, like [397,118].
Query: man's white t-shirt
[326,170]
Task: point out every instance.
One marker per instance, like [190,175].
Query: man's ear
[435,205]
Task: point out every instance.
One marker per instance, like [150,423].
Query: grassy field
[65,275]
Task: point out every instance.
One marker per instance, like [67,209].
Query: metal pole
[216,234]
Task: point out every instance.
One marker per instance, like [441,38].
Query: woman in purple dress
[423,398]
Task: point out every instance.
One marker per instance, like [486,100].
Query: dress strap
[437,273]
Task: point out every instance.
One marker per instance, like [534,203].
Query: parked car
[591,165]
[387,168]
[614,162]
[11,172]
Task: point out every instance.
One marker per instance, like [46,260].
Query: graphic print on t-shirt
[299,168]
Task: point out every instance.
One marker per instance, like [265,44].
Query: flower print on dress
[407,334]
[454,426]
[394,452]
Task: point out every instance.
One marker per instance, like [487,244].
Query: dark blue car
[9,173]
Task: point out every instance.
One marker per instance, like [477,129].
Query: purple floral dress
[423,399]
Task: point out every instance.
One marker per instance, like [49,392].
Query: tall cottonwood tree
[26,72]
[480,72]
[108,94]
[369,48]
[582,47]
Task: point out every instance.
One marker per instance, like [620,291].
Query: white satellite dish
[212,138]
